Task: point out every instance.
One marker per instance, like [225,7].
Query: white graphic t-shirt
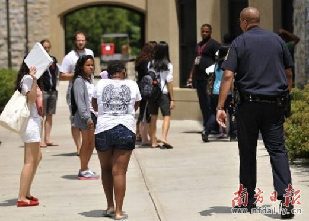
[116,100]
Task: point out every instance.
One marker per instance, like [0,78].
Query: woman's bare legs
[76,134]
[32,155]
[35,169]
[165,128]
[153,130]
[86,148]
[144,131]
[47,128]
[106,161]
[121,160]
[114,165]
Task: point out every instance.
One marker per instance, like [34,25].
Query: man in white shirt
[67,73]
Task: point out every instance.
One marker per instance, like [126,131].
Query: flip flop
[51,144]
[167,146]
[108,213]
[124,217]
[156,146]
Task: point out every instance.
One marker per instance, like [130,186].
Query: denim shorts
[118,137]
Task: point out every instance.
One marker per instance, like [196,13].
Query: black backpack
[150,86]
[73,102]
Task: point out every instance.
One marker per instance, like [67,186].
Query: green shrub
[297,125]
[7,82]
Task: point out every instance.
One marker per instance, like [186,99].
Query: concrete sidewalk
[193,181]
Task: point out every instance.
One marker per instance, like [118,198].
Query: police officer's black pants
[204,100]
[268,119]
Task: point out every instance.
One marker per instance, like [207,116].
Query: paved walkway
[194,181]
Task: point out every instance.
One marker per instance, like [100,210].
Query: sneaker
[87,175]
[286,211]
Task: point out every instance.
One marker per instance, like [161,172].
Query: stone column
[162,25]
[270,13]
[209,12]
[301,29]
[3,35]
[17,25]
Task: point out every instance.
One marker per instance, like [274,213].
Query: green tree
[7,81]
[96,21]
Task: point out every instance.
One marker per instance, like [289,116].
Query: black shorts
[49,102]
[118,137]
[163,103]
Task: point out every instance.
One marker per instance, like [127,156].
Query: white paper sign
[39,58]
[210,69]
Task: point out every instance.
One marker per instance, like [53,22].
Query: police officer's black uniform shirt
[259,59]
[207,57]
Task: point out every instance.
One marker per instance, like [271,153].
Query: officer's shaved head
[251,15]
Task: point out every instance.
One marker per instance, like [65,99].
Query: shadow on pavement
[192,132]
[66,154]
[11,202]
[93,213]
[215,209]
[301,168]
[70,177]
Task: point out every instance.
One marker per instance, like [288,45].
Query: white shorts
[32,133]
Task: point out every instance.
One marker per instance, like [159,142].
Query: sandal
[167,146]
[108,213]
[32,198]
[156,146]
[21,203]
[51,144]
[124,217]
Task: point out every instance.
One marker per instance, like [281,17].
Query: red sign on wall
[107,49]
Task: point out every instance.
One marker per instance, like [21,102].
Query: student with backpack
[83,114]
[162,95]
[141,67]
[214,82]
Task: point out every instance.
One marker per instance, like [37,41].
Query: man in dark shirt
[261,64]
[205,57]
[47,83]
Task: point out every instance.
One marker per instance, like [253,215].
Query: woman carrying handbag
[26,83]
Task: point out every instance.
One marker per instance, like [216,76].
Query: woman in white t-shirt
[26,83]
[163,68]
[116,100]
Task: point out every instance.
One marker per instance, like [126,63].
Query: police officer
[261,65]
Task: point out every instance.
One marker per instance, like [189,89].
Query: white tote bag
[16,113]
